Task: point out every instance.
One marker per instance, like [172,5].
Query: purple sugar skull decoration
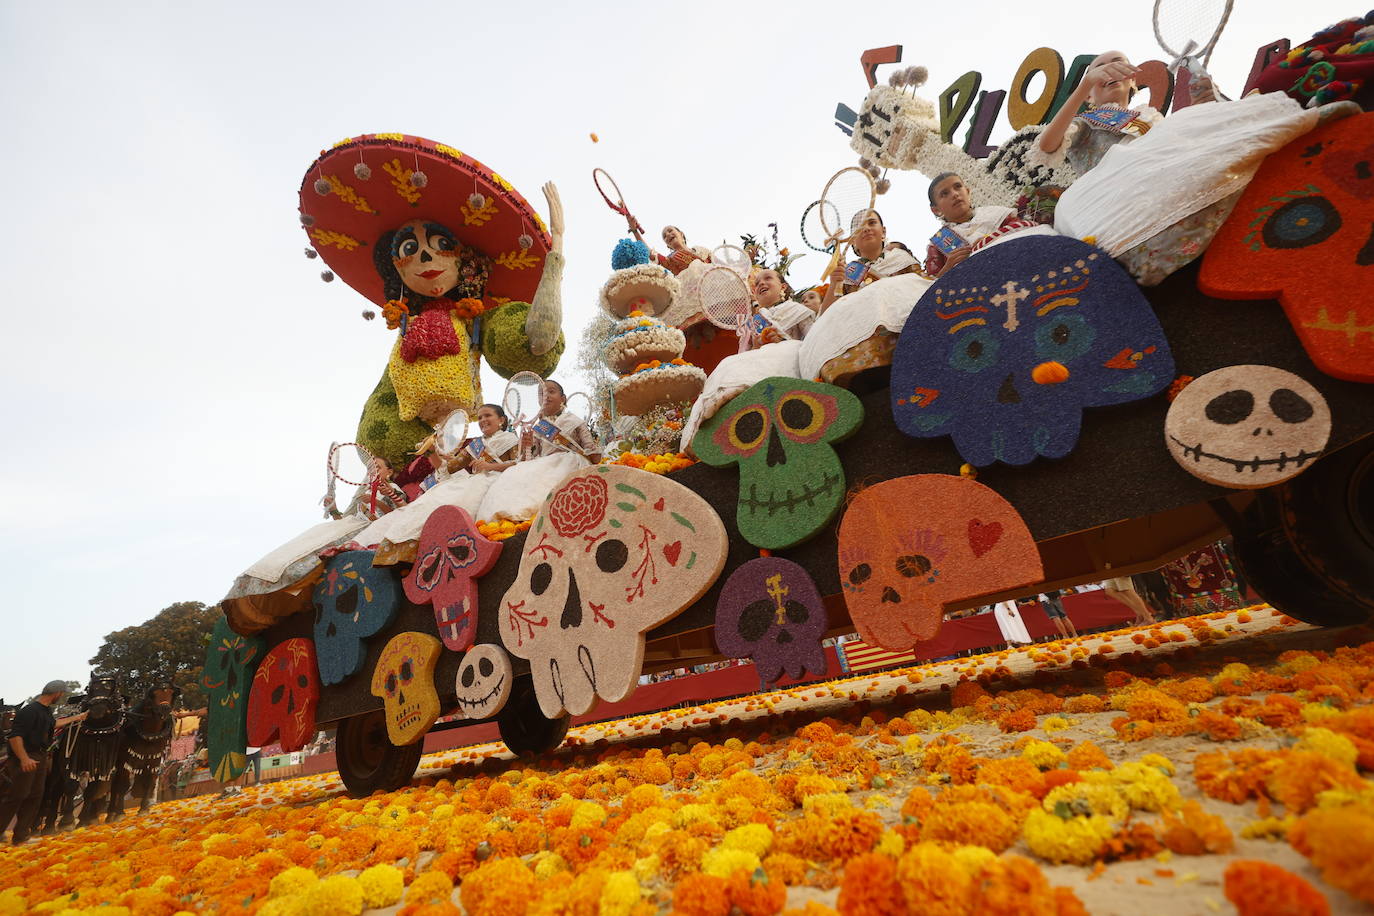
[771,612]
[1005,351]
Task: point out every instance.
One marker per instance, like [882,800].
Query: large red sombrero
[372,184]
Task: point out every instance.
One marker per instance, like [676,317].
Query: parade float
[1040,415]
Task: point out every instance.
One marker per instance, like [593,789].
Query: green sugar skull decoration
[230,662]
[780,432]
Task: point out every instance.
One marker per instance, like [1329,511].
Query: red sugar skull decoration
[286,690]
[1304,232]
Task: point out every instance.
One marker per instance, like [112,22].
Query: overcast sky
[176,369]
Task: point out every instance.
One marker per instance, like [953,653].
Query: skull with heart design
[952,539]
[613,552]
[484,681]
[229,665]
[354,600]
[448,561]
[780,432]
[286,690]
[770,611]
[1247,426]
[404,679]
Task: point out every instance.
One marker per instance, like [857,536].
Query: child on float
[775,316]
[874,259]
[966,228]
[1152,191]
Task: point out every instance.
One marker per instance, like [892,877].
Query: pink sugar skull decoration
[613,552]
[286,690]
[911,545]
[448,561]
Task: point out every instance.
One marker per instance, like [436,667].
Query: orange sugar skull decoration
[404,679]
[911,545]
[1304,232]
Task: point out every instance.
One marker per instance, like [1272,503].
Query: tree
[172,643]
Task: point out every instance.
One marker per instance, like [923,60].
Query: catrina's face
[425,254]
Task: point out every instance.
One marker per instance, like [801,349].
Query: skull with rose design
[613,552]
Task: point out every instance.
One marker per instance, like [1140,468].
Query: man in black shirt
[29,738]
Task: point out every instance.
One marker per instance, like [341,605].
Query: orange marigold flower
[1153,705]
[498,888]
[1263,889]
[869,887]
[1088,756]
[972,823]
[757,894]
[1195,832]
[1084,703]
[1340,843]
[1217,726]
[933,882]
[1022,720]
[702,895]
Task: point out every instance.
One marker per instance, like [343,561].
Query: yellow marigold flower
[723,862]
[294,880]
[12,902]
[657,830]
[619,894]
[1146,787]
[1268,828]
[314,841]
[1055,724]
[1164,764]
[1087,798]
[645,869]
[441,812]
[891,843]
[913,747]
[755,838]
[1043,754]
[382,885]
[1329,744]
[293,905]
[1079,840]
[827,804]
[688,815]
[973,859]
[337,895]
[588,814]
[877,801]
[1316,712]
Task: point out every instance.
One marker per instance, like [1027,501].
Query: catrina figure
[459,262]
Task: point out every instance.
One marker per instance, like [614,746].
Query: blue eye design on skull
[1003,353]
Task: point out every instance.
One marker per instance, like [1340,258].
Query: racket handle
[834,259]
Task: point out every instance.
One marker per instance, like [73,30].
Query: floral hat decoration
[360,191]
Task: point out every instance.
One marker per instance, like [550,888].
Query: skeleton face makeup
[425,254]
[1247,426]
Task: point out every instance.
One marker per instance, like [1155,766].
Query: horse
[83,758]
[145,736]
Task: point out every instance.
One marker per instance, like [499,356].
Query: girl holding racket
[774,316]
[873,260]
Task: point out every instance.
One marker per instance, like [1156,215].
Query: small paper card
[947,240]
[757,323]
[475,446]
[855,271]
[1109,118]
[546,428]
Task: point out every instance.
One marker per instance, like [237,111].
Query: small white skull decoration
[613,552]
[484,681]
[404,679]
[1247,426]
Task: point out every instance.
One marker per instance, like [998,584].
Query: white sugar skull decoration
[1247,426]
[404,679]
[484,681]
[613,552]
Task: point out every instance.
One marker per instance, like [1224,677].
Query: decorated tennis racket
[354,469]
[452,433]
[812,233]
[724,297]
[848,194]
[610,192]
[1188,30]
[733,257]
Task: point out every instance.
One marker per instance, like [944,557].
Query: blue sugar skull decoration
[1005,351]
[353,601]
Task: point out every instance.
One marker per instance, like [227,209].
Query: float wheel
[524,727]
[367,759]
